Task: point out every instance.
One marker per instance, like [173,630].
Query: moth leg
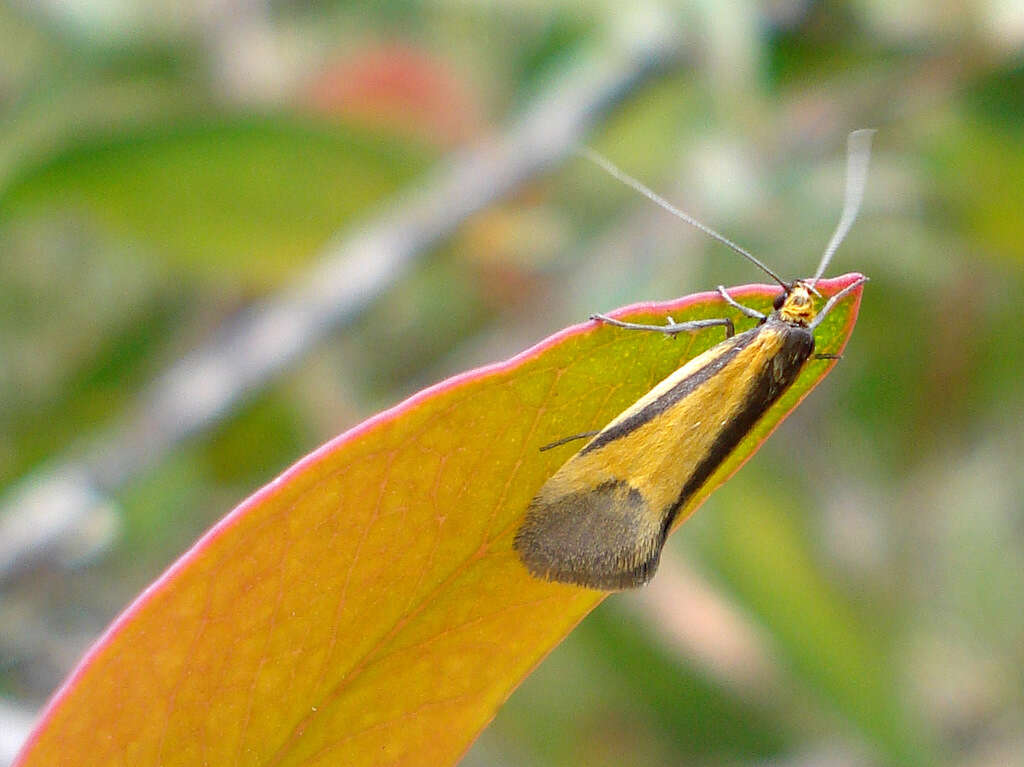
[830,304]
[754,313]
[828,356]
[563,440]
[672,328]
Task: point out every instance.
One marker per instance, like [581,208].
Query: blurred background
[230,230]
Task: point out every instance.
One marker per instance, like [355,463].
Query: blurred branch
[50,513]
[15,725]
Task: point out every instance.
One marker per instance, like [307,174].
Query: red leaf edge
[167,578]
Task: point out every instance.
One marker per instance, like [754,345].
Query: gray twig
[15,725]
[64,509]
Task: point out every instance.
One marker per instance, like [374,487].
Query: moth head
[796,305]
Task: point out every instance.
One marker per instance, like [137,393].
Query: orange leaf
[366,607]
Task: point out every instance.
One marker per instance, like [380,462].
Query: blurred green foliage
[160,171]
[263,194]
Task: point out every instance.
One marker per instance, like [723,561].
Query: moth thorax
[798,306]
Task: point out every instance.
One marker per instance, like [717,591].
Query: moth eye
[779,301]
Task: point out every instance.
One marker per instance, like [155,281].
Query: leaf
[366,607]
[247,199]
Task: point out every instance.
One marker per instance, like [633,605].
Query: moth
[601,520]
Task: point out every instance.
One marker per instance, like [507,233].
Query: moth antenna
[858,152]
[613,170]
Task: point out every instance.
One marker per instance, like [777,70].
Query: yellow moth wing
[661,449]
[661,454]
[601,519]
